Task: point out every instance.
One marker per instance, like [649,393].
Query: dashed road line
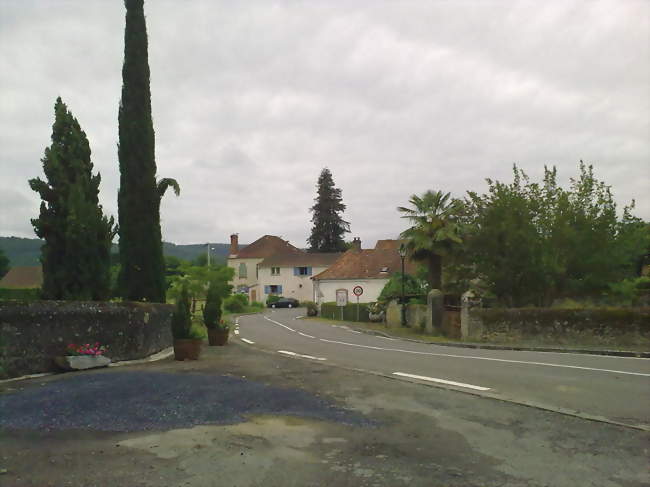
[305,335]
[294,354]
[442,381]
[250,342]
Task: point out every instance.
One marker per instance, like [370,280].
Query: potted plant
[218,330]
[81,357]
[187,345]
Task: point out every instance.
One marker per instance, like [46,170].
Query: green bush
[257,304]
[212,308]
[182,317]
[236,303]
[332,311]
[312,308]
[272,299]
[11,294]
[642,282]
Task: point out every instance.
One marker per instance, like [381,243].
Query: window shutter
[267,289]
[280,289]
[296,271]
[309,271]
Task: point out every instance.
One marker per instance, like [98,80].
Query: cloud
[252,99]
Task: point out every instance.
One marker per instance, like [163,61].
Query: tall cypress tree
[329,227]
[76,253]
[142,271]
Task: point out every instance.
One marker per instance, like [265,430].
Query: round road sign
[358,290]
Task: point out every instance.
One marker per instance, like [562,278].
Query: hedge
[332,311]
[17,294]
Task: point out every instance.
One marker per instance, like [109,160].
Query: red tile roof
[377,263]
[306,259]
[23,277]
[265,247]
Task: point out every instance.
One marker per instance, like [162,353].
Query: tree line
[528,243]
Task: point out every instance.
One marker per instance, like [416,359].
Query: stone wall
[31,334]
[596,326]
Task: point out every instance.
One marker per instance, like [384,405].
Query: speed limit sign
[358,291]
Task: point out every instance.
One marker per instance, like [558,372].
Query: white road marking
[385,338]
[248,341]
[442,381]
[298,317]
[354,331]
[305,335]
[280,324]
[294,354]
[486,358]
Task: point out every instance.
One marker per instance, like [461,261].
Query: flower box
[81,362]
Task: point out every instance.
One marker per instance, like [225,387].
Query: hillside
[26,251]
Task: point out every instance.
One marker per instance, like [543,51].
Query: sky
[252,99]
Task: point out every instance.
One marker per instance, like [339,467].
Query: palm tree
[435,231]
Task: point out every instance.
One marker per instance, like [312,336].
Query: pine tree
[329,227]
[142,271]
[76,253]
[4,264]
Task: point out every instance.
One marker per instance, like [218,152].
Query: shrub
[236,303]
[212,308]
[182,317]
[257,304]
[312,308]
[332,311]
[28,294]
[272,299]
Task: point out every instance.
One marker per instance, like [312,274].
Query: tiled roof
[366,264]
[306,259]
[388,244]
[265,247]
[23,277]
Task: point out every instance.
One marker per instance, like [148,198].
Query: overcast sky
[252,99]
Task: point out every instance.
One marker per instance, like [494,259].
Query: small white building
[369,268]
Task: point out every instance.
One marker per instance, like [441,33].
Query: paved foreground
[286,421]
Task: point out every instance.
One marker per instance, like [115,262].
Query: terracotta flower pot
[187,348]
[217,337]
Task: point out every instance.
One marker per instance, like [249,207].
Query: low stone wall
[32,333]
[596,326]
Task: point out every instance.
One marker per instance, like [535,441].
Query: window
[243,273]
[302,271]
[273,289]
[275,271]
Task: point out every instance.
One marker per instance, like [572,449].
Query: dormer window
[384,269]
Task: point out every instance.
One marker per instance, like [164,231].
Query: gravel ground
[141,401]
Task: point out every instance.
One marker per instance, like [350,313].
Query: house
[272,266]
[23,277]
[247,260]
[369,268]
[289,274]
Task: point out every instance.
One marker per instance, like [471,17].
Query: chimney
[234,245]
[356,244]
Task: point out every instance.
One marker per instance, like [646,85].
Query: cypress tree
[76,253]
[329,227]
[142,271]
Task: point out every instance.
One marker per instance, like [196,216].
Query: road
[606,388]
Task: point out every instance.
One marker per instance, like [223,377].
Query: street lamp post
[402,254]
[208,244]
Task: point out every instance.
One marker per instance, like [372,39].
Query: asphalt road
[612,389]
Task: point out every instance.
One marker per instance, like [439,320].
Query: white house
[369,268]
[247,260]
[289,274]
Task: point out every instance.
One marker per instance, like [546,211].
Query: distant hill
[27,251]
